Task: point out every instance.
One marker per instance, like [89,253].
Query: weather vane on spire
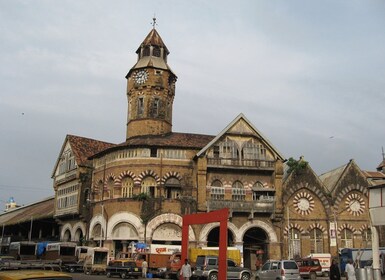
[154,22]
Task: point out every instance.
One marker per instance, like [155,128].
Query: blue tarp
[40,248]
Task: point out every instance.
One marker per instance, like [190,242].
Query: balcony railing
[264,205]
[245,163]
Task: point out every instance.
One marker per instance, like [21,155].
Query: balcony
[261,164]
[263,205]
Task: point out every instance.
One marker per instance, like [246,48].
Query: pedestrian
[144,269]
[350,272]
[185,271]
[334,273]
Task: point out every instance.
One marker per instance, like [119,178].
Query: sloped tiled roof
[169,140]
[373,174]
[39,210]
[153,39]
[330,179]
[381,165]
[85,147]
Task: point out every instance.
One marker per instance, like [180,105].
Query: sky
[309,75]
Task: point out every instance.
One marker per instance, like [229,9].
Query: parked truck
[325,260]
[157,257]
[96,260]
[175,263]
[62,251]
[23,250]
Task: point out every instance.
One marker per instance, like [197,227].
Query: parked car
[309,268]
[33,274]
[278,270]
[206,267]
[123,268]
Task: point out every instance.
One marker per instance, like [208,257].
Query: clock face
[141,76]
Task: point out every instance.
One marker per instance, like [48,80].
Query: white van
[325,259]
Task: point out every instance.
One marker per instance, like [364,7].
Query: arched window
[217,191]
[173,188]
[109,190]
[67,236]
[294,243]
[149,186]
[367,238]
[156,51]
[238,192]
[146,51]
[127,187]
[346,238]
[316,241]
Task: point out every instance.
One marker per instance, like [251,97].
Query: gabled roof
[82,148]
[333,177]
[38,210]
[330,178]
[230,125]
[169,140]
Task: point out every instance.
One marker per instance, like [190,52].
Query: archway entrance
[255,248]
[213,238]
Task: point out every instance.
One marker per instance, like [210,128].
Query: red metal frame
[220,216]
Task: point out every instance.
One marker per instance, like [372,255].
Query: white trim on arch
[125,217]
[208,227]
[64,229]
[98,219]
[265,226]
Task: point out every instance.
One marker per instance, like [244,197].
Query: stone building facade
[139,190]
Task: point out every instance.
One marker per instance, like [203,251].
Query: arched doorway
[213,238]
[255,248]
[67,236]
[123,234]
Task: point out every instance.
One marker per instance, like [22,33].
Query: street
[82,276]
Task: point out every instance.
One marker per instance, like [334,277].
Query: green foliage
[296,166]
[141,197]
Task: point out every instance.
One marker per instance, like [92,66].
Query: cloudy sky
[310,75]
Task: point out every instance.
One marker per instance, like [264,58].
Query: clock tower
[150,89]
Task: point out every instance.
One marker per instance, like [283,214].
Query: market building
[138,190]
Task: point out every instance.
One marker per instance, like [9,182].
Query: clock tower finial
[154,22]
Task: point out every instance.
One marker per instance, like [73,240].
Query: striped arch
[64,229]
[108,177]
[346,226]
[126,173]
[363,228]
[168,218]
[146,173]
[96,185]
[295,225]
[349,189]
[214,178]
[171,174]
[289,192]
[208,227]
[317,226]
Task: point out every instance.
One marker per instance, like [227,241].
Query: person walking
[350,271]
[144,269]
[334,273]
[185,271]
